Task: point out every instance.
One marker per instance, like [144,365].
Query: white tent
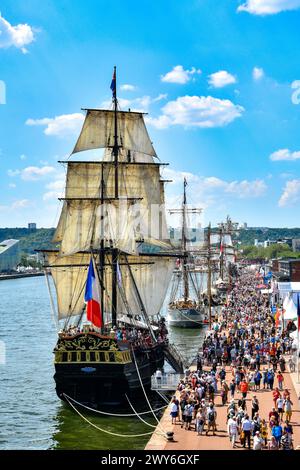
[285,288]
[290,308]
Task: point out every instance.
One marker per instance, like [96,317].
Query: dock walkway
[189,440]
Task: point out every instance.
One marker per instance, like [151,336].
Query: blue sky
[215,77]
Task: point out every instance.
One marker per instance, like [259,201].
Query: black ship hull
[95,382]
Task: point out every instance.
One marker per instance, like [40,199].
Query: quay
[189,440]
[4,277]
[253,341]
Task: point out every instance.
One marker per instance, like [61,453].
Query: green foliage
[273,251]
[247,236]
[30,240]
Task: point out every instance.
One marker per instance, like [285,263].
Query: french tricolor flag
[92,297]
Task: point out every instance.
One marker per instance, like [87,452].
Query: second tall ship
[185,308]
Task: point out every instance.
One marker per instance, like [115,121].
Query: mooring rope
[109,432]
[136,413]
[127,415]
[147,399]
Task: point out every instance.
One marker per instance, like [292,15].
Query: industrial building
[9,255]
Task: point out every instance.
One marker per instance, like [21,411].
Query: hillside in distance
[30,240]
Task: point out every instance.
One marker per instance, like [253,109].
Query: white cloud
[21,204]
[12,185]
[179,75]
[221,79]
[291,193]
[212,184]
[268,7]
[55,187]
[127,87]
[284,155]
[197,111]
[140,104]
[257,73]
[23,157]
[61,126]
[18,36]
[32,173]
[13,173]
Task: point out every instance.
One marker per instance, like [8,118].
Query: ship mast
[116,161]
[184,245]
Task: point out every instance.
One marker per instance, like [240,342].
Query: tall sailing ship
[112,263]
[185,307]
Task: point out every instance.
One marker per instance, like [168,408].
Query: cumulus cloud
[17,36]
[257,73]
[284,155]
[221,79]
[179,75]
[197,111]
[140,104]
[127,87]
[212,184]
[268,7]
[55,188]
[21,204]
[61,126]
[291,193]
[32,173]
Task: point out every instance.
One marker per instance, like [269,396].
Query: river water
[31,415]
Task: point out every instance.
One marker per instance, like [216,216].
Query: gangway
[174,358]
[167,382]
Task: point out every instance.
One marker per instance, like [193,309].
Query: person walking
[255,406]
[232,429]
[280,380]
[244,388]
[277,433]
[232,387]
[211,419]
[246,429]
[287,405]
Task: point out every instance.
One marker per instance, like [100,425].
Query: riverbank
[5,277]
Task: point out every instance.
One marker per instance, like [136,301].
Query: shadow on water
[74,433]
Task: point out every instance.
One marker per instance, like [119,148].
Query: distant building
[295,270]
[296,244]
[244,226]
[31,226]
[269,243]
[9,255]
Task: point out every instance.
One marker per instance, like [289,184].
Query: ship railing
[166,381]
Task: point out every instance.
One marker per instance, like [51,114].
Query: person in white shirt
[258,441]
[280,404]
[232,429]
[246,428]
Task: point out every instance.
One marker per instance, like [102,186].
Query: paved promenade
[189,440]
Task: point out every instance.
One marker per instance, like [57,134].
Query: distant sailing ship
[185,308]
[110,271]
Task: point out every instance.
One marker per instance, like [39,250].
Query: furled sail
[98,132]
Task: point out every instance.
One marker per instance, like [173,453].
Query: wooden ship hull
[95,370]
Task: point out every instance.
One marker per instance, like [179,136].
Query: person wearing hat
[232,429]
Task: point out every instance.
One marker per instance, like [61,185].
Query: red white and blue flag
[92,297]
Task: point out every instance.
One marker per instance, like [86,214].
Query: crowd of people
[244,352]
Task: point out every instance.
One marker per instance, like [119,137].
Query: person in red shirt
[280,379]
[244,388]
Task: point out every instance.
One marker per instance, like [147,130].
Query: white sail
[98,132]
[85,221]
